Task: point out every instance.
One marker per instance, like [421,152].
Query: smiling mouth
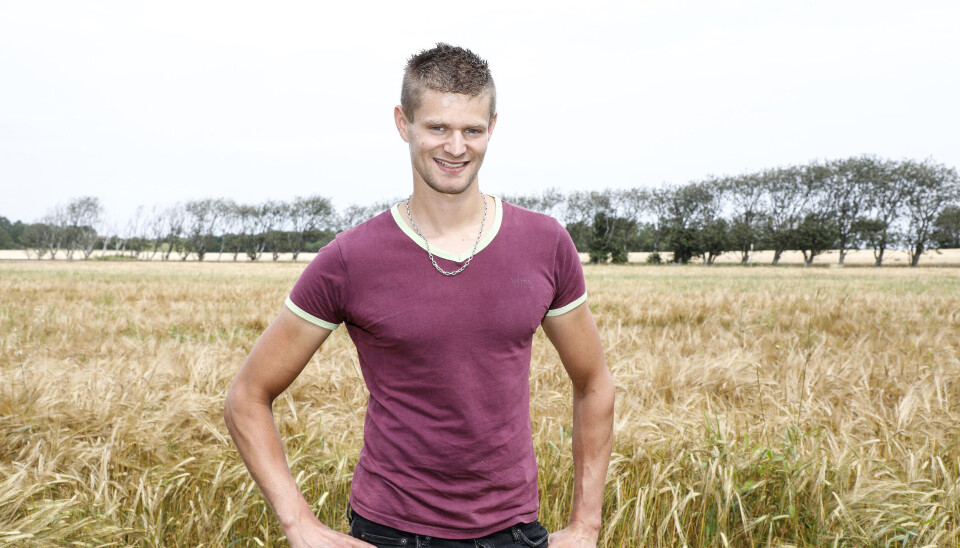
[451,165]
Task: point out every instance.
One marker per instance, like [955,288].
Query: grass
[756,406]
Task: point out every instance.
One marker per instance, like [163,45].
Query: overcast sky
[159,102]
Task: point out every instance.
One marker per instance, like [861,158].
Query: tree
[658,207]
[547,202]
[86,240]
[578,213]
[883,198]
[136,234]
[873,232]
[54,235]
[713,232]
[355,214]
[174,218]
[815,234]
[582,235]
[202,221]
[227,224]
[155,230]
[272,215]
[610,236]
[235,227]
[745,196]
[259,222]
[305,216]
[602,223]
[10,234]
[714,239]
[931,187]
[847,184]
[74,227]
[692,206]
[819,230]
[788,194]
[250,229]
[6,240]
[635,204]
[39,239]
[946,229]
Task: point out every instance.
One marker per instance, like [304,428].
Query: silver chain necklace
[475,245]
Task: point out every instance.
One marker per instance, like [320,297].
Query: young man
[442,296]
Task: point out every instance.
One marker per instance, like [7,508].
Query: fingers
[327,538]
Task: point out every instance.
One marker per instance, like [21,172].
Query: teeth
[448,164]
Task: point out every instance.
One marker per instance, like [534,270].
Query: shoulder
[371,229]
[531,221]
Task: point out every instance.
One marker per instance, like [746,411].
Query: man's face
[448,138]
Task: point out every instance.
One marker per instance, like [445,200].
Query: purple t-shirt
[447,445]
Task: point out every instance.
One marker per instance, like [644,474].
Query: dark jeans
[523,535]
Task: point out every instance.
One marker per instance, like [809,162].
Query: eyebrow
[434,122]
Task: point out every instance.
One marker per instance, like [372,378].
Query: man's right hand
[308,532]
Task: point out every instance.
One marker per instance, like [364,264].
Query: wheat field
[755,406]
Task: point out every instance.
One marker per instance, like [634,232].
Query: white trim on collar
[484,242]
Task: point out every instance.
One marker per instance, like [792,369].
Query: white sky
[153,103]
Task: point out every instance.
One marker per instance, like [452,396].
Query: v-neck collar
[484,242]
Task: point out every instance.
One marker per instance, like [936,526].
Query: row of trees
[190,229]
[854,203]
[71,228]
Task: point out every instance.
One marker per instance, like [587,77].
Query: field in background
[936,257]
[756,406]
[858,257]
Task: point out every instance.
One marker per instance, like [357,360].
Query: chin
[452,188]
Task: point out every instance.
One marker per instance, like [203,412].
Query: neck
[439,214]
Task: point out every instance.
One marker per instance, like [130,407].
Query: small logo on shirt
[521,282]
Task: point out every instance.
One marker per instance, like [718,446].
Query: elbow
[242,401]
[605,388]
[598,387]
[228,403]
[232,404]
[608,390]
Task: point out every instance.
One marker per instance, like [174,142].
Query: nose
[455,145]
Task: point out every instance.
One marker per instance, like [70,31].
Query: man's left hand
[573,537]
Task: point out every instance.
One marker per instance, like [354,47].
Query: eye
[436,128]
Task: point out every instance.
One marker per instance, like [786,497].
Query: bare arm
[577,340]
[280,354]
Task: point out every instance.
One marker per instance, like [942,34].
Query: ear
[493,122]
[401,120]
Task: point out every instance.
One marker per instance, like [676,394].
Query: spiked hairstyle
[446,69]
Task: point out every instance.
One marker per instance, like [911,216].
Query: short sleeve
[319,292]
[570,287]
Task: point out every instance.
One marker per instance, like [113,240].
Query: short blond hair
[447,69]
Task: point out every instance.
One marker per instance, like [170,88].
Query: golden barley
[756,406]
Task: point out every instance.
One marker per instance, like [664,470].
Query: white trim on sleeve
[310,317]
[564,309]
